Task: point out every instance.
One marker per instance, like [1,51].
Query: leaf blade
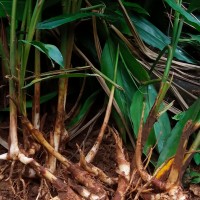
[193,113]
[52,52]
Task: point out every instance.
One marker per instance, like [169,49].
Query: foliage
[109,49]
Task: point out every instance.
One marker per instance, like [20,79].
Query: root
[124,169]
[43,191]
[84,180]
[11,170]
[95,170]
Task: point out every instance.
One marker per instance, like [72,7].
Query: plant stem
[158,58]
[193,147]
[176,169]
[177,27]
[13,149]
[23,28]
[36,100]
[93,151]
[67,43]
[153,115]
[30,34]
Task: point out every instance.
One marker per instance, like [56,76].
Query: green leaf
[135,114]
[50,50]
[128,71]
[196,180]
[154,37]
[107,68]
[43,99]
[161,129]
[133,67]
[194,37]
[151,35]
[63,19]
[178,116]
[193,113]
[195,177]
[197,158]
[187,16]
[83,110]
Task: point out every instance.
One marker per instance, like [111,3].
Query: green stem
[30,34]
[92,7]
[175,27]
[176,24]
[151,81]
[164,84]
[195,145]
[171,50]
[12,40]
[29,13]
[178,33]
[164,88]
[168,64]
[158,58]
[23,29]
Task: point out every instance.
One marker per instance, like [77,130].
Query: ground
[16,185]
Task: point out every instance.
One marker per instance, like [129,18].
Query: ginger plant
[122,79]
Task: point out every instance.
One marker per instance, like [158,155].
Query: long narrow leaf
[63,19]
[83,110]
[151,35]
[161,129]
[128,70]
[43,99]
[188,17]
[193,113]
[50,50]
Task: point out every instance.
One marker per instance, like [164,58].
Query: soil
[15,185]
